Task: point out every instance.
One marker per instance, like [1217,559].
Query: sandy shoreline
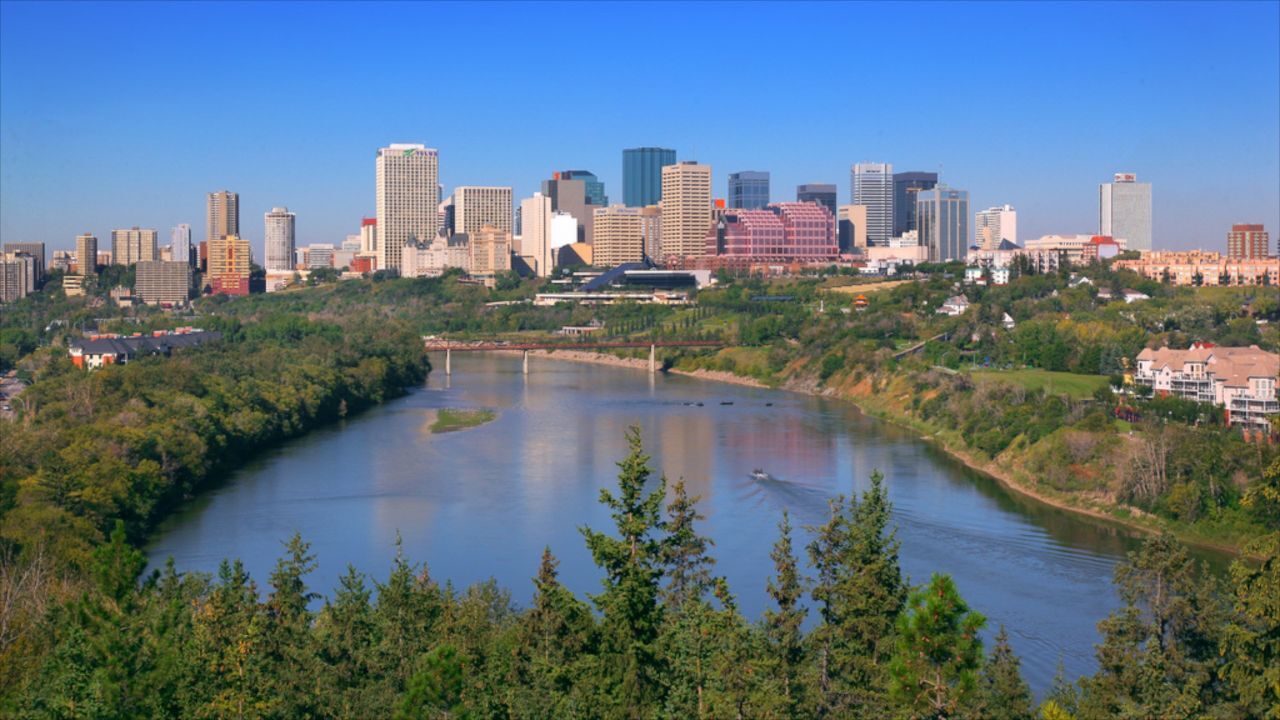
[1001,476]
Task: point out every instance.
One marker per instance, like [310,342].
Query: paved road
[10,388]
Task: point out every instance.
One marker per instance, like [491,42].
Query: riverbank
[860,395]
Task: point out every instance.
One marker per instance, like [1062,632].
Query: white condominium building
[280,242]
[993,225]
[407,196]
[535,238]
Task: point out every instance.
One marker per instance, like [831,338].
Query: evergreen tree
[935,666]
[554,640]
[1160,652]
[406,614]
[294,671]
[1004,694]
[1251,640]
[345,635]
[859,590]
[229,675]
[783,627]
[688,566]
[630,670]
[435,690]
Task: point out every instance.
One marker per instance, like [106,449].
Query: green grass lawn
[1072,385]
[449,419]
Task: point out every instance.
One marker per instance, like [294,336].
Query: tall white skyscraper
[280,244]
[180,243]
[1124,211]
[872,185]
[475,207]
[994,224]
[535,226]
[407,197]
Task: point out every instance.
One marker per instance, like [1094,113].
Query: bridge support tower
[653,359]
[526,362]
[448,361]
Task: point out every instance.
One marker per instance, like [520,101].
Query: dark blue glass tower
[642,174]
[748,190]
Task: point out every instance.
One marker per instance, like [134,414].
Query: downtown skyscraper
[642,174]
[474,207]
[943,214]
[748,190]
[223,215]
[686,209]
[1124,211]
[905,187]
[872,185]
[407,201]
[279,240]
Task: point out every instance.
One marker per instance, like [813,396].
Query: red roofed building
[1099,247]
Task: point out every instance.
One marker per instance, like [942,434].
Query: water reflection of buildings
[784,444]
[685,443]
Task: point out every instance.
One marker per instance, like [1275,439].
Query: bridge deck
[432,346]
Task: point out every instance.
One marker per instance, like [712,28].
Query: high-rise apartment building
[17,275]
[822,193]
[131,246]
[36,251]
[993,225]
[943,214]
[180,243]
[1244,242]
[1124,211]
[686,209]
[873,188]
[619,236]
[229,260]
[748,190]
[535,236]
[223,211]
[475,207]
[279,240]
[407,199]
[87,254]
[905,187]
[851,227]
[490,251]
[163,283]
[642,174]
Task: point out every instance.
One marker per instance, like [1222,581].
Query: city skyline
[1153,114]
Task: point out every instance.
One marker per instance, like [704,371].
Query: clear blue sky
[113,115]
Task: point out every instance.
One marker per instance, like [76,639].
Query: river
[483,502]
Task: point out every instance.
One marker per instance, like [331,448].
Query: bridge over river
[448,347]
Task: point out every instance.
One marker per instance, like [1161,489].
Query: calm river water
[484,502]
